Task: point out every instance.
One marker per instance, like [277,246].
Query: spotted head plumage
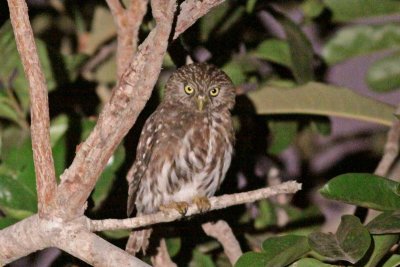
[201,86]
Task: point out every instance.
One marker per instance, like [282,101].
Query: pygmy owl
[185,147]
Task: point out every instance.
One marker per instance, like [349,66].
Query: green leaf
[6,221]
[384,74]
[301,51]
[347,10]
[312,8]
[385,223]
[365,190]
[382,245]
[201,260]
[73,64]
[58,128]
[116,234]
[231,20]
[107,178]
[56,67]
[360,40]
[350,243]
[277,252]
[253,259]
[267,215]
[16,199]
[20,160]
[250,4]
[7,111]
[297,215]
[12,67]
[274,50]
[308,262]
[234,70]
[321,125]
[60,155]
[283,134]
[321,99]
[393,261]
[212,19]
[283,250]
[173,246]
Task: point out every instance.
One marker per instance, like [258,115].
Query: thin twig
[217,202]
[223,233]
[40,119]
[104,52]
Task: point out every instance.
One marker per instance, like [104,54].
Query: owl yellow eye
[214,91]
[188,89]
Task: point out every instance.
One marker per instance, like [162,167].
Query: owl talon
[180,207]
[202,203]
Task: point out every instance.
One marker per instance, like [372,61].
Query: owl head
[200,87]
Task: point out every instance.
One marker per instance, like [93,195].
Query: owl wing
[143,155]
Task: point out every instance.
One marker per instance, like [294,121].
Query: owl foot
[180,207]
[202,203]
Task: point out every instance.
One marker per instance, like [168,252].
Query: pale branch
[162,258]
[135,12]
[117,10]
[217,202]
[391,150]
[118,115]
[128,23]
[34,233]
[21,239]
[191,11]
[390,153]
[223,233]
[40,118]
[103,53]
[94,250]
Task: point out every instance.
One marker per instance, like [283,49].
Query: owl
[185,147]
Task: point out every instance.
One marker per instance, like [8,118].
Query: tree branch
[223,233]
[390,154]
[218,202]
[191,11]
[94,250]
[34,233]
[40,119]
[128,23]
[118,115]
[391,150]
[162,258]
[21,239]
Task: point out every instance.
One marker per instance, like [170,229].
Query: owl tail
[138,240]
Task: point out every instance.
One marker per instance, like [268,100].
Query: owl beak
[201,102]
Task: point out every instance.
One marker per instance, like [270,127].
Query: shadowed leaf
[385,223]
[350,243]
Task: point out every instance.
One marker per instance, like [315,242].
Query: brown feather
[183,152]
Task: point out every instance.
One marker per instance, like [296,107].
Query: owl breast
[194,164]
